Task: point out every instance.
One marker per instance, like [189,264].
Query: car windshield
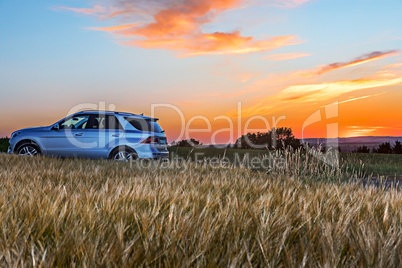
[75,122]
[145,124]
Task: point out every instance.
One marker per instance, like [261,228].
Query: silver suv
[94,134]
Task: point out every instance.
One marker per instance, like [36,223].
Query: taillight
[151,140]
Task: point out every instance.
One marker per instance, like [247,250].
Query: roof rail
[106,111]
[95,111]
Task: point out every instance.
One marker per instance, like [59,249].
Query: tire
[123,154]
[29,149]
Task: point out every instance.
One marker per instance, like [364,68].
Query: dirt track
[384,182]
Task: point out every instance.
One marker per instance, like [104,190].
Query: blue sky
[50,60]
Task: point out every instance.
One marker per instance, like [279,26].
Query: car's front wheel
[29,149]
[123,154]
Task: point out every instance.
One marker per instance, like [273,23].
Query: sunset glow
[286,56]
[252,62]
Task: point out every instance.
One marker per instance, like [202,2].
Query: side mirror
[55,127]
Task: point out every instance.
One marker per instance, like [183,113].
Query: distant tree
[363,149]
[273,139]
[284,137]
[384,148]
[397,149]
[188,143]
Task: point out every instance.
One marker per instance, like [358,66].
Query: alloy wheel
[123,156]
[28,150]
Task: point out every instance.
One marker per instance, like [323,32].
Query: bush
[187,143]
[363,149]
[383,148]
[4,144]
[397,149]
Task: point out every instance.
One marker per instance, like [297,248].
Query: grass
[371,164]
[368,165]
[214,152]
[101,213]
[375,164]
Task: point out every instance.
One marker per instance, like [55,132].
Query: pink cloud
[286,56]
[87,11]
[376,55]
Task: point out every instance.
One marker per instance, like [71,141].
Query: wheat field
[74,212]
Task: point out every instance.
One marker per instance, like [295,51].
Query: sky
[208,69]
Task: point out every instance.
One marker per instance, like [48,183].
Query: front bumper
[10,151]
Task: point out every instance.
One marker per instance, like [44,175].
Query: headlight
[15,134]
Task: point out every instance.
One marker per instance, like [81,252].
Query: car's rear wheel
[123,154]
[29,149]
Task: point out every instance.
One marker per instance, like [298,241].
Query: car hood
[34,129]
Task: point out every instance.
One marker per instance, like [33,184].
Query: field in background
[59,212]
[375,165]
[370,165]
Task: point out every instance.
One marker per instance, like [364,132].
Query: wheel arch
[120,147]
[26,141]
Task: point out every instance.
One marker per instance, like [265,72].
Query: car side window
[101,121]
[96,122]
[112,122]
[75,122]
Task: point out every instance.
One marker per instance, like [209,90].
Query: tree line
[283,137]
[274,139]
[383,148]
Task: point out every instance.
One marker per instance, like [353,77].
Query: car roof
[125,114]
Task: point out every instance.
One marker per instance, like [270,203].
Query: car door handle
[78,134]
[115,135]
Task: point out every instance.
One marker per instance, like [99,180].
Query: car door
[68,139]
[104,131]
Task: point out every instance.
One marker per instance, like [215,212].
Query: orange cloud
[327,91]
[233,43]
[286,56]
[320,69]
[282,80]
[176,25]
[360,132]
[357,131]
[297,94]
